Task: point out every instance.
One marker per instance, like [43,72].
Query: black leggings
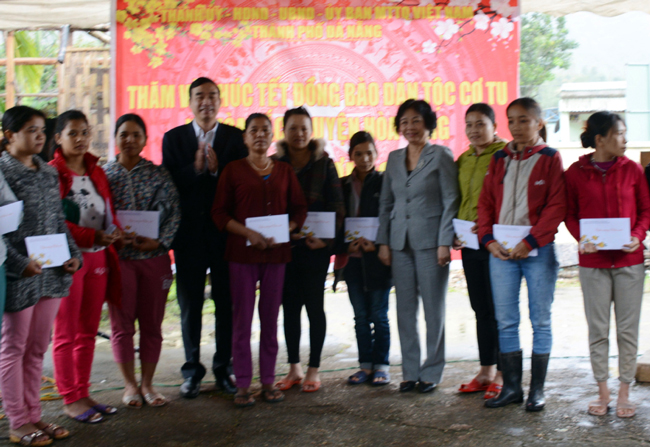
[476,264]
[304,285]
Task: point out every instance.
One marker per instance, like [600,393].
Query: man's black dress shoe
[405,387]
[190,388]
[426,387]
[224,383]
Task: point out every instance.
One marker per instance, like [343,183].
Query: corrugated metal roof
[592,104]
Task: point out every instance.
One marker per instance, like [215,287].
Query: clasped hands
[361,244]
[204,154]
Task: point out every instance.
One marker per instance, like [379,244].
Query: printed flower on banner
[481,21]
[445,30]
[429,47]
[202,31]
[502,28]
[473,3]
[502,7]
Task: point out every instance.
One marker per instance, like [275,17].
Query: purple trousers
[243,282]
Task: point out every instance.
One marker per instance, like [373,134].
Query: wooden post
[10,86]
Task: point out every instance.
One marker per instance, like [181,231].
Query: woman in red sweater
[607,184]
[89,211]
[252,187]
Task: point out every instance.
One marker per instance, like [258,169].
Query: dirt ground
[344,415]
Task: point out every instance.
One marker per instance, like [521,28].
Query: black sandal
[273,396]
[249,400]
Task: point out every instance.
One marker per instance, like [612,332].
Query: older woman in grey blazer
[419,199]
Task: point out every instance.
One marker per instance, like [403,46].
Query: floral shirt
[92,207]
[147,187]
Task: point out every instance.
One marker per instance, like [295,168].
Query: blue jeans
[540,273]
[370,308]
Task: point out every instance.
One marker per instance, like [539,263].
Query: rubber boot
[539,365]
[511,366]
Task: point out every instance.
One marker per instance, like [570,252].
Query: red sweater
[544,206]
[84,237]
[622,191]
[242,193]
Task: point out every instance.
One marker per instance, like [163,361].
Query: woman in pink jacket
[607,184]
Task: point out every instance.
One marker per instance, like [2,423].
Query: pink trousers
[25,338]
[243,282]
[75,328]
[145,285]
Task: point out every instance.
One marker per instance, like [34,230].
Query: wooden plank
[32,95]
[10,87]
[85,50]
[65,73]
[31,61]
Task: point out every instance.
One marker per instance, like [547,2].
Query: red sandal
[286,384]
[473,387]
[492,391]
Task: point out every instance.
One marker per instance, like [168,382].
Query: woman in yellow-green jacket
[473,164]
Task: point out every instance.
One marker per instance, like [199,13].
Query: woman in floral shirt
[138,184]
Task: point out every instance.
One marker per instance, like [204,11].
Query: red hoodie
[84,237]
[621,191]
[532,183]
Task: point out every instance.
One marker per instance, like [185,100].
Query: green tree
[33,78]
[545,46]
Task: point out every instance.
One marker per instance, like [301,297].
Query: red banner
[349,62]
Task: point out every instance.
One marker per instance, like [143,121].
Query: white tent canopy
[601,7]
[21,14]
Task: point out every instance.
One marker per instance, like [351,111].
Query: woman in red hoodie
[607,184]
[88,207]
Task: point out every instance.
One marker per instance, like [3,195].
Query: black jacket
[196,190]
[375,274]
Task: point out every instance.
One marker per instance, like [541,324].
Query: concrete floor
[340,414]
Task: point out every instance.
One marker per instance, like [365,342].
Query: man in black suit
[194,154]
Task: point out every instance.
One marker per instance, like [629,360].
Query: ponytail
[542,133]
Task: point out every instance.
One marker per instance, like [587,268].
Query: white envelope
[606,234]
[320,224]
[510,235]
[10,217]
[463,230]
[276,226]
[142,223]
[50,250]
[358,227]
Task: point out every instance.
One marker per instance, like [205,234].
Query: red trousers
[75,328]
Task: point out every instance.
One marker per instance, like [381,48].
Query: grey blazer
[422,204]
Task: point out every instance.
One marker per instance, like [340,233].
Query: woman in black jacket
[369,281]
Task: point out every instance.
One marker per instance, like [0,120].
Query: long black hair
[15,118]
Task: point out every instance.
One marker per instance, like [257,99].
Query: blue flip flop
[105,409]
[86,416]
[381,375]
[359,377]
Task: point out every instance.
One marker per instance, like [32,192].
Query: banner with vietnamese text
[349,62]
